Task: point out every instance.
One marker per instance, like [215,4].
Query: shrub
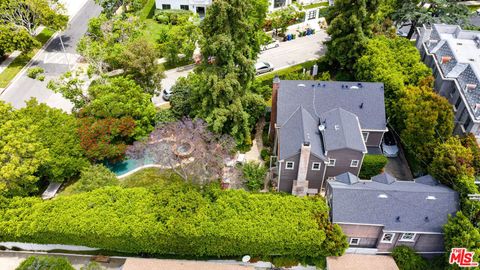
[92,266]
[41,78]
[165,116]
[34,72]
[173,17]
[45,263]
[407,259]
[265,154]
[93,177]
[254,174]
[179,219]
[372,165]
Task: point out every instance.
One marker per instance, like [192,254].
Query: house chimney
[273,114]
[303,163]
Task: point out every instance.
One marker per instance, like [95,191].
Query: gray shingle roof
[384,178]
[299,128]
[371,202]
[365,100]
[342,130]
[347,178]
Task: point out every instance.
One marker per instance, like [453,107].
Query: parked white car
[273,44]
[263,67]
[389,145]
[167,94]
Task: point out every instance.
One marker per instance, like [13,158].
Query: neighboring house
[382,213]
[454,56]
[200,6]
[322,129]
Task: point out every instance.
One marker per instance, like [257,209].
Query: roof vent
[337,127]
[431,198]
[361,105]
[459,43]
[321,127]
[306,143]
[354,87]
[427,219]
[323,85]
[471,60]
[301,85]
[360,85]
[383,196]
[397,219]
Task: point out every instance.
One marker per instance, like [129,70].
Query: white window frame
[319,166]
[354,238]
[408,239]
[289,162]
[386,241]
[330,164]
[365,135]
[331,178]
[356,164]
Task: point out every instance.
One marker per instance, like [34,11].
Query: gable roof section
[342,131]
[384,178]
[420,207]
[299,128]
[347,178]
[365,100]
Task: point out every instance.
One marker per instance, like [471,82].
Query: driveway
[54,60]
[287,54]
[398,166]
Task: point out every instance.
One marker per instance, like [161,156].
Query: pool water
[123,167]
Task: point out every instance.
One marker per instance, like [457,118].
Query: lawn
[150,177]
[18,63]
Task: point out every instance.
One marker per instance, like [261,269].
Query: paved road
[287,54]
[55,63]
[475,19]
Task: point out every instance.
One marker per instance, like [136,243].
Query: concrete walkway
[9,60]
[257,146]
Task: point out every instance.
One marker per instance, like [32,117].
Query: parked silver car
[389,145]
[271,45]
[263,67]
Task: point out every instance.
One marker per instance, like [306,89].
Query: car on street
[271,45]
[389,145]
[167,94]
[263,67]
[400,33]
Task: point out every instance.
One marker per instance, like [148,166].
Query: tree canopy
[91,178]
[13,38]
[45,263]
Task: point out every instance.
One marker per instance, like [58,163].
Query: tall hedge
[372,165]
[177,219]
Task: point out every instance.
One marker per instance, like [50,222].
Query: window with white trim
[312,14]
[331,162]
[354,163]
[184,7]
[316,166]
[166,6]
[354,241]
[408,237]
[387,238]
[365,136]
[289,165]
[331,178]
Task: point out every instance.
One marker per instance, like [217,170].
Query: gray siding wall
[315,177]
[422,243]
[342,164]
[368,234]
[286,177]
[374,138]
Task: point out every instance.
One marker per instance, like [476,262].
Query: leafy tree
[282,18]
[393,61]
[180,99]
[121,97]
[230,44]
[45,263]
[92,266]
[470,142]
[181,40]
[203,156]
[422,111]
[372,165]
[450,160]
[139,59]
[165,116]
[30,14]
[72,87]
[254,175]
[460,232]
[418,12]
[13,38]
[21,154]
[406,259]
[56,131]
[110,6]
[350,27]
[93,177]
[105,138]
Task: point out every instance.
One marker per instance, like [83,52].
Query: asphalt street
[54,61]
[287,54]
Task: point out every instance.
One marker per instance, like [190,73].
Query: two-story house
[454,56]
[382,213]
[322,129]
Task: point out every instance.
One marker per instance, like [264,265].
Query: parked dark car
[389,145]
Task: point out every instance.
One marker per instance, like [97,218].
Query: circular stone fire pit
[183,150]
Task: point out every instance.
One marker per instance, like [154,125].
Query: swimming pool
[126,166]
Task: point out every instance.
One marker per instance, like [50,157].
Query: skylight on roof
[382,196]
[431,198]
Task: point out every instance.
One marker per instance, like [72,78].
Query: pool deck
[141,168]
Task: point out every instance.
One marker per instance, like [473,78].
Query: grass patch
[473,8]
[148,10]
[266,79]
[18,63]
[150,177]
[321,4]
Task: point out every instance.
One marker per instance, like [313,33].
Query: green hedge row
[177,219]
[372,165]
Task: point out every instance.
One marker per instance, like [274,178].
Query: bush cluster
[45,263]
[34,72]
[177,219]
[173,17]
[372,165]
